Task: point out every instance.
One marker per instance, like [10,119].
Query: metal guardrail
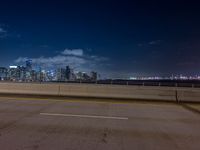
[165,83]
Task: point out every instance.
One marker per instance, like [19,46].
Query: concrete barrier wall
[117,91]
[104,91]
[189,94]
[20,88]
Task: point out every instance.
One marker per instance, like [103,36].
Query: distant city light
[133,78]
[12,67]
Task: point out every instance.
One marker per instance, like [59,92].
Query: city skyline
[27,72]
[116,39]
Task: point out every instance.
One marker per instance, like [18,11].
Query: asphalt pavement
[68,124]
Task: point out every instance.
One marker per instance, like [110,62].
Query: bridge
[74,116]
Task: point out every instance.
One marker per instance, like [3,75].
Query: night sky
[115,38]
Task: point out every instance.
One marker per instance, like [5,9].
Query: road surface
[50,124]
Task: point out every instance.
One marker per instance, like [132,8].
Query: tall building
[79,75]
[29,70]
[93,76]
[68,73]
[14,73]
[51,75]
[33,75]
[43,75]
[29,65]
[22,71]
[85,76]
[3,73]
[61,74]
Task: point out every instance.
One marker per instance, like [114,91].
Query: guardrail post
[176,96]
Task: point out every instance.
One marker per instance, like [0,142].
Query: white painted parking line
[85,116]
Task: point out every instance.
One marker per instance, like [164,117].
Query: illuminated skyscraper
[29,65]
[93,76]
[68,72]
[14,73]
[3,73]
[61,74]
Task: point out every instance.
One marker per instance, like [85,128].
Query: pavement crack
[105,136]
[104,139]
